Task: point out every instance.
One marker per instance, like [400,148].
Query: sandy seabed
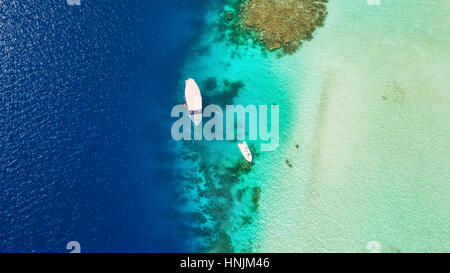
[372,126]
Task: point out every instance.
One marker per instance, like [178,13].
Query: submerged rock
[288,163]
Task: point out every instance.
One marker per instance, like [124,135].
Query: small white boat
[245,151]
[193,101]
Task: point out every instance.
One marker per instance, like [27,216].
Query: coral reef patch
[277,24]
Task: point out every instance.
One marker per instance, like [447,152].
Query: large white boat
[193,101]
[245,151]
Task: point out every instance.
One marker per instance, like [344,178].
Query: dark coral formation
[216,181]
[224,95]
[239,168]
[210,83]
[255,197]
[281,24]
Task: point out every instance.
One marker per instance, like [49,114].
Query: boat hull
[193,101]
[245,151]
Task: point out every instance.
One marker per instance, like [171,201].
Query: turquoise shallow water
[363,118]
[222,193]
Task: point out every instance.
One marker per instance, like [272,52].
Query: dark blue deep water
[85,99]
